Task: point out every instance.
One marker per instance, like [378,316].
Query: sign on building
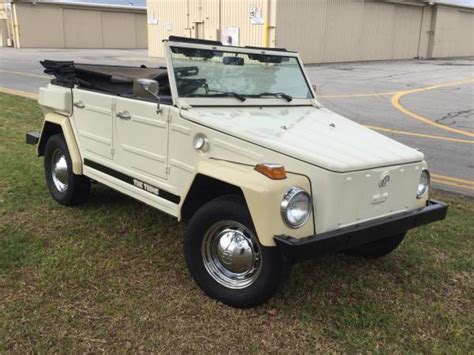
[230,36]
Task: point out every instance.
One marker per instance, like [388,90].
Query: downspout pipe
[432,34]
[266,30]
[219,30]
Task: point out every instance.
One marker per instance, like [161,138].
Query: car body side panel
[56,98]
[138,189]
[141,141]
[93,123]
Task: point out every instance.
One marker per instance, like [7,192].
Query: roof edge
[81,4]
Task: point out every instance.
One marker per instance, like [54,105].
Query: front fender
[262,195]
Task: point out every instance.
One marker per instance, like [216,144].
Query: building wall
[426,34]
[3,32]
[322,30]
[350,30]
[89,36]
[453,33]
[38,26]
[3,26]
[204,19]
[171,19]
[66,26]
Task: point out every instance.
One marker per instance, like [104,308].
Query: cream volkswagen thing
[234,141]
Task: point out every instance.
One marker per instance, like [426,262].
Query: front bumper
[359,234]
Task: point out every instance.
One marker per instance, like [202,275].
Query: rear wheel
[378,248]
[65,187]
[226,258]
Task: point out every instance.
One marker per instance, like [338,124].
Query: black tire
[378,248]
[231,209]
[77,189]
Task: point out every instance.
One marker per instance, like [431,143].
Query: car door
[93,123]
[141,137]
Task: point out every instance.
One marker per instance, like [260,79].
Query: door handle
[79,104]
[124,115]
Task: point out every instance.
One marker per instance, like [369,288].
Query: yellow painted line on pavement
[450,183]
[422,135]
[396,103]
[28,95]
[397,95]
[24,74]
[453,179]
[357,95]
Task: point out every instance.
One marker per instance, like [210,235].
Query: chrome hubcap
[231,254]
[59,171]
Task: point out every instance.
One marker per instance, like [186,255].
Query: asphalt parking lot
[425,104]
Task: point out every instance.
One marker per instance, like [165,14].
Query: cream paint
[71,142]
[263,197]
[340,199]
[56,98]
[317,136]
[339,162]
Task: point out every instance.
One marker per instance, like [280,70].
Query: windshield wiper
[276,94]
[222,94]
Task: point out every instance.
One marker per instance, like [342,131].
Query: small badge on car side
[384,179]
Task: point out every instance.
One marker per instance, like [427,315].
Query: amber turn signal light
[272,171]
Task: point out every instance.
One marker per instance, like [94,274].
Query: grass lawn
[110,275]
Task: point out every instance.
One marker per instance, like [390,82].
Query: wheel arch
[49,129]
[55,124]
[203,189]
[262,196]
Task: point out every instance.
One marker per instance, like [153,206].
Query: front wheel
[377,249]
[65,187]
[226,258]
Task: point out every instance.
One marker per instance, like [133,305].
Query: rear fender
[55,123]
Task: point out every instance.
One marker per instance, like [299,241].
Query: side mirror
[146,88]
[314,87]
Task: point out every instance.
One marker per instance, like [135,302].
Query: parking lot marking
[396,103]
[28,95]
[357,95]
[458,180]
[24,74]
[451,183]
[422,135]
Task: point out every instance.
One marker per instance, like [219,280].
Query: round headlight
[424,184]
[296,207]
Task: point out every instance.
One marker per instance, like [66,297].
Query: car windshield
[218,73]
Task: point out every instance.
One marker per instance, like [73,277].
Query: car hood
[316,136]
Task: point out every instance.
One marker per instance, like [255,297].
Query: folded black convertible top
[63,71]
[108,78]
